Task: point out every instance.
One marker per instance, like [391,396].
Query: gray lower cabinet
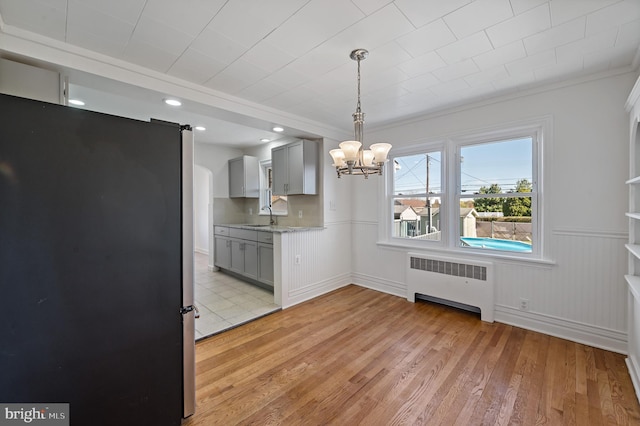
[265,258]
[248,253]
[222,247]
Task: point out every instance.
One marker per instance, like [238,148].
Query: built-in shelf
[635,180]
[633,215]
[634,249]
[634,285]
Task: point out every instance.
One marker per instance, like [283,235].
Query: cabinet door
[280,170]
[236,178]
[222,252]
[237,256]
[295,165]
[265,263]
[251,259]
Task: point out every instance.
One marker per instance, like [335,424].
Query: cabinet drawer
[265,237]
[243,234]
[221,230]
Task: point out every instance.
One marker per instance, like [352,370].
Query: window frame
[538,129]
[265,193]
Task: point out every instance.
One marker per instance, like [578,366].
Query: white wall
[583,295]
[201,194]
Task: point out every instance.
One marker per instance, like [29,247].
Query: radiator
[461,281]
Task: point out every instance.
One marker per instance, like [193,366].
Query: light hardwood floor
[357,356]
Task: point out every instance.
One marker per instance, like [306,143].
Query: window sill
[468,253]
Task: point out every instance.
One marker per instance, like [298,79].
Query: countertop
[271,228]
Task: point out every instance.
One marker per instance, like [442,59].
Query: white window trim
[541,130]
[262,203]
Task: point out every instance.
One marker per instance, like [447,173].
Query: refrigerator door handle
[187,309]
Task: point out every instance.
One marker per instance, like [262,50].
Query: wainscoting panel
[315,262]
[581,296]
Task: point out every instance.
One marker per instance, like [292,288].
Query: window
[278,203]
[470,193]
[417,195]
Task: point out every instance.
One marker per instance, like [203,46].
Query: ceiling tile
[386,56]
[267,56]
[288,77]
[123,10]
[587,45]
[456,70]
[515,82]
[520,6]
[445,89]
[187,16]
[420,82]
[501,55]
[421,12]
[321,60]
[316,22]
[563,11]
[156,33]
[148,55]
[629,34]
[562,69]
[487,76]
[106,33]
[556,36]
[530,63]
[477,16]
[422,64]
[195,66]
[91,41]
[466,48]
[427,38]
[215,45]
[261,90]
[249,21]
[520,26]
[371,6]
[374,31]
[236,77]
[42,17]
[613,16]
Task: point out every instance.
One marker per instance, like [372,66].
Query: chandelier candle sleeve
[350,158]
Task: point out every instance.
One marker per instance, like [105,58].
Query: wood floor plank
[360,357]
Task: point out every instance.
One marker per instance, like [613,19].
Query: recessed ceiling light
[172,102]
[76,102]
[265,140]
[278,129]
[201,128]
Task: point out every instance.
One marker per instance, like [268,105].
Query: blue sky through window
[503,162]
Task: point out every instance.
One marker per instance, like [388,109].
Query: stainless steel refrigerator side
[188,319]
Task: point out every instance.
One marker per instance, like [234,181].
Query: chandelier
[350,158]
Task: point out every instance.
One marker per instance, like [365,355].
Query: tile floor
[224,301]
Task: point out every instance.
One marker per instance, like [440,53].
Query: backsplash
[236,210]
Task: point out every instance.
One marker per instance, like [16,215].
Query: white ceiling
[293,55]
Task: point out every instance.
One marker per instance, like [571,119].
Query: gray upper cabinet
[295,168]
[244,178]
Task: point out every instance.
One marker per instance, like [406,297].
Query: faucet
[271,220]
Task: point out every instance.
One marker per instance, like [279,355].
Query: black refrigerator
[96,264]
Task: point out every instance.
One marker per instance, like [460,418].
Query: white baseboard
[375,283]
[316,289]
[201,250]
[611,340]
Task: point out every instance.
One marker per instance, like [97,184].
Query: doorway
[224,302]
